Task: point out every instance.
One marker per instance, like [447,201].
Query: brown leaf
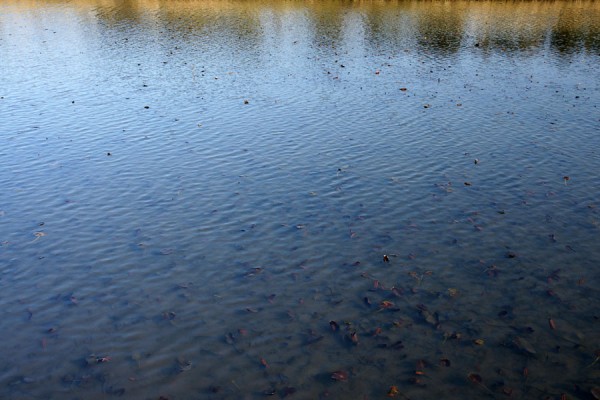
[552,324]
[340,376]
[386,304]
[475,378]
[353,337]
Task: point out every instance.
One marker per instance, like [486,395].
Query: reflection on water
[197,197]
[437,26]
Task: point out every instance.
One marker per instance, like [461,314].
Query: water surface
[192,191]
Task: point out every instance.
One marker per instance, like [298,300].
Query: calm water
[197,197]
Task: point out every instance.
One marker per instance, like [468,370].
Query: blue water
[192,191]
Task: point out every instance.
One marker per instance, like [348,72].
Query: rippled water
[197,197]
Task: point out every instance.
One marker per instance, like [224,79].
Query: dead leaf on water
[264,363]
[340,376]
[386,304]
[352,337]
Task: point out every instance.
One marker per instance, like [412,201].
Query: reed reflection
[440,27]
[437,27]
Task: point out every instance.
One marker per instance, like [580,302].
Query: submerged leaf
[524,345]
[444,362]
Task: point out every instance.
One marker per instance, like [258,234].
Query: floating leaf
[334,326]
[386,304]
[352,337]
[263,362]
[552,324]
[479,342]
[393,392]
[340,376]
